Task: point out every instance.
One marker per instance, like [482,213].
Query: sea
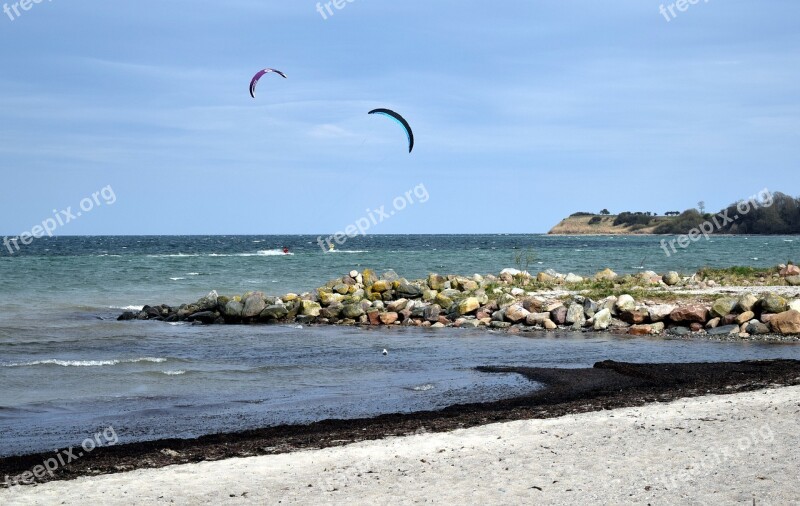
[69,369]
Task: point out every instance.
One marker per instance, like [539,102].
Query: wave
[347,251]
[87,363]
[176,279]
[173,373]
[127,308]
[174,255]
[192,273]
[422,388]
[260,253]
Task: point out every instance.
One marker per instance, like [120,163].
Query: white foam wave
[127,308]
[176,255]
[173,373]
[87,363]
[348,251]
[176,279]
[192,273]
[423,388]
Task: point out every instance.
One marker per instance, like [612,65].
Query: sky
[523,114]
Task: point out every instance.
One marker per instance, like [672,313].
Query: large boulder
[253,305]
[773,303]
[431,313]
[747,301]
[758,328]
[660,312]
[671,278]
[793,280]
[625,303]
[406,290]
[695,313]
[795,304]
[606,275]
[309,308]
[397,305]
[724,330]
[516,313]
[559,315]
[786,323]
[352,311]
[573,278]
[208,303]
[274,312]
[602,320]
[724,306]
[635,316]
[389,318]
[233,309]
[790,270]
[468,305]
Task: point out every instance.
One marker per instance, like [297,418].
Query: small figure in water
[285,250]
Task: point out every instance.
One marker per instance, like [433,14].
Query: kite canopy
[259,75]
[399,119]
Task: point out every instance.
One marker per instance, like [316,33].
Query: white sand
[710,450]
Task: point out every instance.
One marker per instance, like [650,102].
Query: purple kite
[258,76]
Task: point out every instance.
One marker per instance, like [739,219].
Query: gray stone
[723,330]
[274,312]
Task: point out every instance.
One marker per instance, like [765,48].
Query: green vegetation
[779,218]
[682,224]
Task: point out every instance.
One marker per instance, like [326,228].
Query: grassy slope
[579,225]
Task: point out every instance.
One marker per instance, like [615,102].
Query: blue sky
[522,113]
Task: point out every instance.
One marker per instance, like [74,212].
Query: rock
[745,317]
[671,278]
[625,303]
[758,329]
[331,312]
[309,308]
[679,331]
[713,323]
[505,300]
[724,330]
[696,327]
[793,280]
[688,314]
[431,313]
[274,312]
[747,301]
[128,315]
[545,278]
[233,309]
[381,286]
[602,320]
[408,291]
[397,305]
[443,300]
[500,325]
[660,312]
[389,318]
[470,324]
[724,306]
[352,311]
[517,292]
[636,316]
[537,318]
[516,313]
[253,305]
[786,323]
[438,325]
[327,298]
[209,302]
[575,315]
[773,303]
[550,325]
[790,270]
[657,328]
[341,289]
[795,304]
[374,317]
[368,277]
[640,330]
[207,317]
[559,315]
[573,278]
[606,275]
[589,307]
[468,306]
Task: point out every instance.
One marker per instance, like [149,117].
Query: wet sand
[716,449]
[608,385]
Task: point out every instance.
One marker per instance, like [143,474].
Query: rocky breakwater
[514,301]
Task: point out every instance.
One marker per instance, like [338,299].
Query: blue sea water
[68,368]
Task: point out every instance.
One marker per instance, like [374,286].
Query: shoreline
[608,385]
[731,449]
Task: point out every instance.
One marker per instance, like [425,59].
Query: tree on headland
[701,206]
[605,212]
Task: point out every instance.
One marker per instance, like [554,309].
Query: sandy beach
[720,449]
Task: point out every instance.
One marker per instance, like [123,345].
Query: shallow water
[67,368]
